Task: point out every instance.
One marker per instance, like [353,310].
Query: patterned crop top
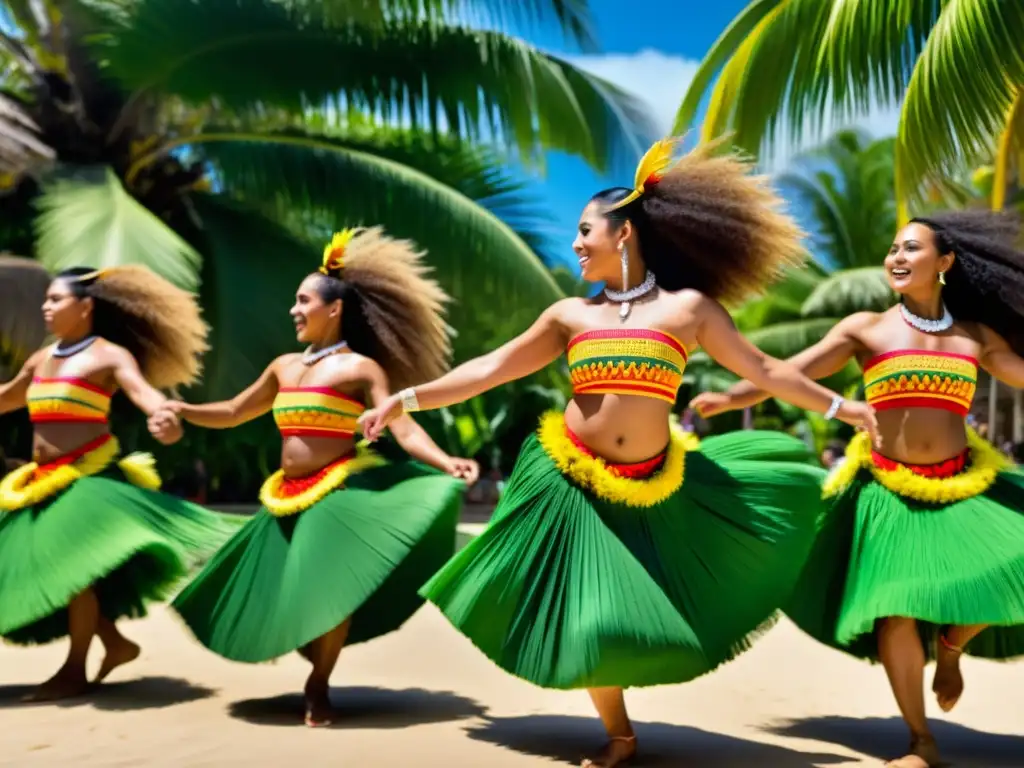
[914,378]
[67,400]
[627,361]
[316,412]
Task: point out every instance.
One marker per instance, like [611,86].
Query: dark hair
[158,323]
[709,224]
[986,282]
[836,446]
[391,311]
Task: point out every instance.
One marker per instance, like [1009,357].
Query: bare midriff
[623,429]
[921,435]
[53,440]
[304,456]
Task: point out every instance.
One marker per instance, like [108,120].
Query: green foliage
[956,69]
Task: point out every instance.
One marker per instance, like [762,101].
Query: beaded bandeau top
[316,412]
[914,378]
[627,361]
[60,400]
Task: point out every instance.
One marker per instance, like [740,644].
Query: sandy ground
[424,696]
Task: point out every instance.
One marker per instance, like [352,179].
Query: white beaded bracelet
[409,401]
[837,403]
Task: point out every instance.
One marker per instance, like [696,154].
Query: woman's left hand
[464,469]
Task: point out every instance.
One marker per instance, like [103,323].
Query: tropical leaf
[783,340]
[88,219]
[572,16]
[23,284]
[502,285]
[962,90]
[477,84]
[251,269]
[863,289]
[478,173]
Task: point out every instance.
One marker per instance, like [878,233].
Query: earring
[625,266]
[942,278]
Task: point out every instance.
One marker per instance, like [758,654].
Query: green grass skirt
[361,551]
[132,545]
[566,590]
[880,554]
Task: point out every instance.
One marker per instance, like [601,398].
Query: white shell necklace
[73,349]
[625,298]
[925,325]
[309,356]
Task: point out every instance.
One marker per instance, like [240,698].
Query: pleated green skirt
[361,551]
[880,555]
[567,590]
[132,545]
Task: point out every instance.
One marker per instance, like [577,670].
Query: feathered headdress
[334,251]
[653,165]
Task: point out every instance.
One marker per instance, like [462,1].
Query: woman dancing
[604,567]
[84,537]
[343,540]
[922,554]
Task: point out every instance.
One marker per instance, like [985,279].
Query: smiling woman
[343,538]
[922,553]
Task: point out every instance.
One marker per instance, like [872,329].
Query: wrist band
[837,403]
[409,401]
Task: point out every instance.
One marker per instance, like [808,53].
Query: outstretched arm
[718,335]
[999,359]
[249,404]
[827,357]
[13,392]
[411,436]
[537,347]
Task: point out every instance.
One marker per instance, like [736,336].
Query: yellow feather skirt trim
[592,472]
[24,488]
[985,464]
[281,505]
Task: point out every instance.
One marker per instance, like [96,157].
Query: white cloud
[661,80]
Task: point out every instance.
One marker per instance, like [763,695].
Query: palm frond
[478,173]
[23,284]
[90,220]
[251,268]
[499,284]
[783,340]
[862,289]
[961,92]
[572,16]
[474,83]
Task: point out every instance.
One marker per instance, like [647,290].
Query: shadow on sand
[886,738]
[364,708]
[570,739]
[127,696]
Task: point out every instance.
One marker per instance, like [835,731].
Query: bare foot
[923,754]
[319,710]
[948,684]
[618,751]
[118,654]
[68,682]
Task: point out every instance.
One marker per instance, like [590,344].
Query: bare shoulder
[114,354]
[859,322]
[282,361]
[692,301]
[564,309]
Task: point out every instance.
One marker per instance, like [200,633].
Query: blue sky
[651,48]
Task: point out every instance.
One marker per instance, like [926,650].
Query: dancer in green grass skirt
[85,539]
[922,554]
[343,540]
[623,553]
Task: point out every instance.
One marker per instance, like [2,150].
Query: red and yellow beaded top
[316,412]
[627,361]
[914,378]
[67,399]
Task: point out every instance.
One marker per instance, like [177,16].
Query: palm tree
[843,190]
[216,141]
[956,69]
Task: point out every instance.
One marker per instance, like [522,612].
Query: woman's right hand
[374,421]
[164,424]
[862,416]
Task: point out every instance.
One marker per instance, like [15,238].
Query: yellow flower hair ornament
[334,251]
[651,168]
